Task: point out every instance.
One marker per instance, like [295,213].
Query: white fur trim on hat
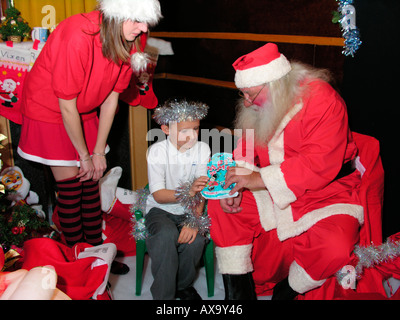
[259,75]
[147,11]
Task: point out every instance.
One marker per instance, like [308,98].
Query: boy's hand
[187,235]
[198,185]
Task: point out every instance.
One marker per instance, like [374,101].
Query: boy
[175,248]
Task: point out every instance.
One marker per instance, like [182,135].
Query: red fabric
[72,65]
[303,168]
[370,285]
[371,190]
[118,228]
[272,257]
[50,144]
[75,277]
[11,87]
[140,90]
[262,56]
[2,258]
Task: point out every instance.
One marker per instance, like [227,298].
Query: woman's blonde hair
[114,45]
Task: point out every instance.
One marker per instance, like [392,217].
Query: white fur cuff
[234,259]
[300,281]
[275,182]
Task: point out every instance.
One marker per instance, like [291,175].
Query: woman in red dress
[84,66]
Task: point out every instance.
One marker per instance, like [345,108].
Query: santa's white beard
[263,120]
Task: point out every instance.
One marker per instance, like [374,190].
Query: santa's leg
[321,251]
[92,216]
[69,210]
[233,235]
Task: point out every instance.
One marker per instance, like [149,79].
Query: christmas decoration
[346,16]
[368,257]
[13,25]
[202,223]
[190,204]
[139,231]
[178,111]
[19,223]
[18,220]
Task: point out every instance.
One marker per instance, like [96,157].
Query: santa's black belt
[347,169]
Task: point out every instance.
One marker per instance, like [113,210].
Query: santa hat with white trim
[147,11]
[261,66]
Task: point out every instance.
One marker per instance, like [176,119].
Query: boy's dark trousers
[173,265]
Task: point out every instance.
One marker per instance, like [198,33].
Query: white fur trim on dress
[147,11]
[234,259]
[300,281]
[256,76]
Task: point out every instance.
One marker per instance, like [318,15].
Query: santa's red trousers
[308,259]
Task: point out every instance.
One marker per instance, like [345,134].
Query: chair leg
[209,266]
[140,252]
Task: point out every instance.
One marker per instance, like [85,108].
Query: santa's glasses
[248,97]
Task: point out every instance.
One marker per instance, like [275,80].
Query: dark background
[368,82]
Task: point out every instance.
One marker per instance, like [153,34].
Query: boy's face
[183,134]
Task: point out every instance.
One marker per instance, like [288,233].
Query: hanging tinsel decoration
[346,16]
[190,203]
[140,204]
[139,231]
[179,110]
[182,194]
[370,256]
[202,223]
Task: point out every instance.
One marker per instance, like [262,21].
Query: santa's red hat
[263,65]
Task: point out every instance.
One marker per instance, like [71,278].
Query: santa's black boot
[239,287]
[283,291]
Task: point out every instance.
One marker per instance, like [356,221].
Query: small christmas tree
[14,25]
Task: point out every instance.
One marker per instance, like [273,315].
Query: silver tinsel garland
[189,203]
[139,230]
[202,223]
[179,110]
[371,256]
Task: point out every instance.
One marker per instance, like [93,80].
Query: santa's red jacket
[300,163]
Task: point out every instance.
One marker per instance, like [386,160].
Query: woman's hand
[86,169]
[100,165]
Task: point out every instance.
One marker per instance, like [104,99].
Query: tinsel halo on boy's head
[179,110]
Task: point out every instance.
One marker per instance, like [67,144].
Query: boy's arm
[168,196]
[165,196]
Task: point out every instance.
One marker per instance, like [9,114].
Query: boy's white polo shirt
[168,168]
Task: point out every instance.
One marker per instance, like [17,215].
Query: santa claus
[297,216]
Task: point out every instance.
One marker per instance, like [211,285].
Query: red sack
[78,278]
